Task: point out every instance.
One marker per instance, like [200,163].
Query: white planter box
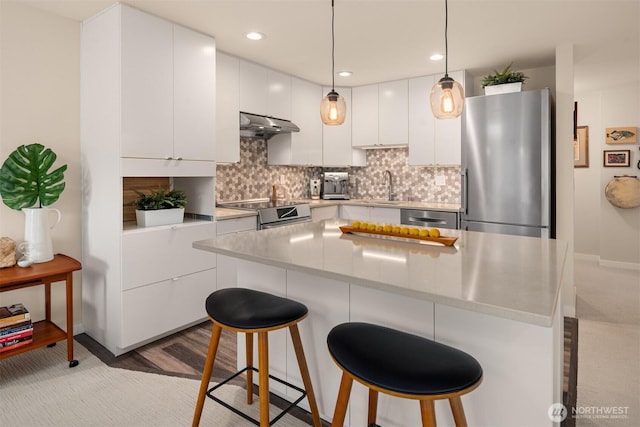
[159,217]
[505,88]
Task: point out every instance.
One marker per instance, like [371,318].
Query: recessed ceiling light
[436,57]
[255,36]
[345,73]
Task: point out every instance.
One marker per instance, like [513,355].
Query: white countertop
[512,277]
[398,204]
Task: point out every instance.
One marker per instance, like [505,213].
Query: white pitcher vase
[37,232]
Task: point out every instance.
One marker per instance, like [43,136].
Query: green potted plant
[27,185]
[160,207]
[503,81]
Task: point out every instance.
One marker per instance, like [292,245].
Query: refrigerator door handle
[464,183]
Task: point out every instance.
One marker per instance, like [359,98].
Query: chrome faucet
[390,194]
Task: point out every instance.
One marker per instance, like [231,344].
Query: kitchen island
[496,297]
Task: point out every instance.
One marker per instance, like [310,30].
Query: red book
[5,340]
[22,343]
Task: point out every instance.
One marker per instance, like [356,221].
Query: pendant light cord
[333,49]
[446,43]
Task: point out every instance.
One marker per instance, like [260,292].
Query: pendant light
[333,108]
[447,96]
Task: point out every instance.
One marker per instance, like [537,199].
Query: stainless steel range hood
[257,126]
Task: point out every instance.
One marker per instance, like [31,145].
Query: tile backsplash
[253,178]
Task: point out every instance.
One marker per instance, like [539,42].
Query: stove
[273,214]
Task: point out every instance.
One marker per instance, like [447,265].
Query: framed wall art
[628,135]
[617,158]
[581,147]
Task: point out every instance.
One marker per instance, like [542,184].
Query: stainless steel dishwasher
[428,218]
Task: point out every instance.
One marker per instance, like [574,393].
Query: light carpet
[38,388]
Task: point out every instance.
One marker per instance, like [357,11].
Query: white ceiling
[386,40]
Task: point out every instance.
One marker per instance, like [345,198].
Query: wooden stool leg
[249,360]
[304,371]
[458,411]
[428,413]
[206,373]
[263,377]
[373,407]
[343,400]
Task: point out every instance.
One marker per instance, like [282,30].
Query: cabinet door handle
[168,158]
[175,279]
[178,158]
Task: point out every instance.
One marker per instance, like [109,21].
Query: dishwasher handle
[427,220]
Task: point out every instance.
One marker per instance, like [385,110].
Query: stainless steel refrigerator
[507,164]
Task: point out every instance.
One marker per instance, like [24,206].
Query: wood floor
[183,355]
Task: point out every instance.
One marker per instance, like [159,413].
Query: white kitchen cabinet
[140,283]
[264,91]
[164,307]
[336,140]
[168,89]
[227,267]
[177,258]
[384,215]
[304,147]
[393,113]
[279,95]
[380,115]
[370,213]
[364,125]
[253,88]
[227,108]
[433,141]
[318,213]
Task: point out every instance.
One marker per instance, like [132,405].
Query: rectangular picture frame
[581,147]
[621,135]
[616,158]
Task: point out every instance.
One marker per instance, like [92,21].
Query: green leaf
[25,179]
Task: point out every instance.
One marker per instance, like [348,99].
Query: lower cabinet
[226,269]
[324,212]
[370,213]
[163,307]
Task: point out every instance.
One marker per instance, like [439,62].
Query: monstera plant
[25,180]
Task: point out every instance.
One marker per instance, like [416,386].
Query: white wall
[40,102]
[602,230]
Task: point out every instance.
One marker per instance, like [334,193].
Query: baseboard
[607,263]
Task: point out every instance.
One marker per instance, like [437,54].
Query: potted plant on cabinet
[160,207]
[27,185]
[504,81]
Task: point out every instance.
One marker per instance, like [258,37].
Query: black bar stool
[249,311]
[403,365]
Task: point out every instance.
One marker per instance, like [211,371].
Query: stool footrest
[244,415]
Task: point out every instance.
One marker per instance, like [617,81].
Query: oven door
[283,223]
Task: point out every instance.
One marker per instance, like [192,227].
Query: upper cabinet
[432,141]
[227,108]
[304,147]
[167,89]
[381,115]
[264,91]
[336,140]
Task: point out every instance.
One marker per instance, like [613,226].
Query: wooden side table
[45,332]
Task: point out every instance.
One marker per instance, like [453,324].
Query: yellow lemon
[395,229]
[355,225]
[379,227]
[413,231]
[424,232]
[434,232]
[371,227]
[404,230]
[363,225]
[387,228]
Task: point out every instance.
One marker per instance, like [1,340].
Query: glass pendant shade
[333,109]
[447,98]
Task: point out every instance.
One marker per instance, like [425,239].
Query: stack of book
[16,329]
